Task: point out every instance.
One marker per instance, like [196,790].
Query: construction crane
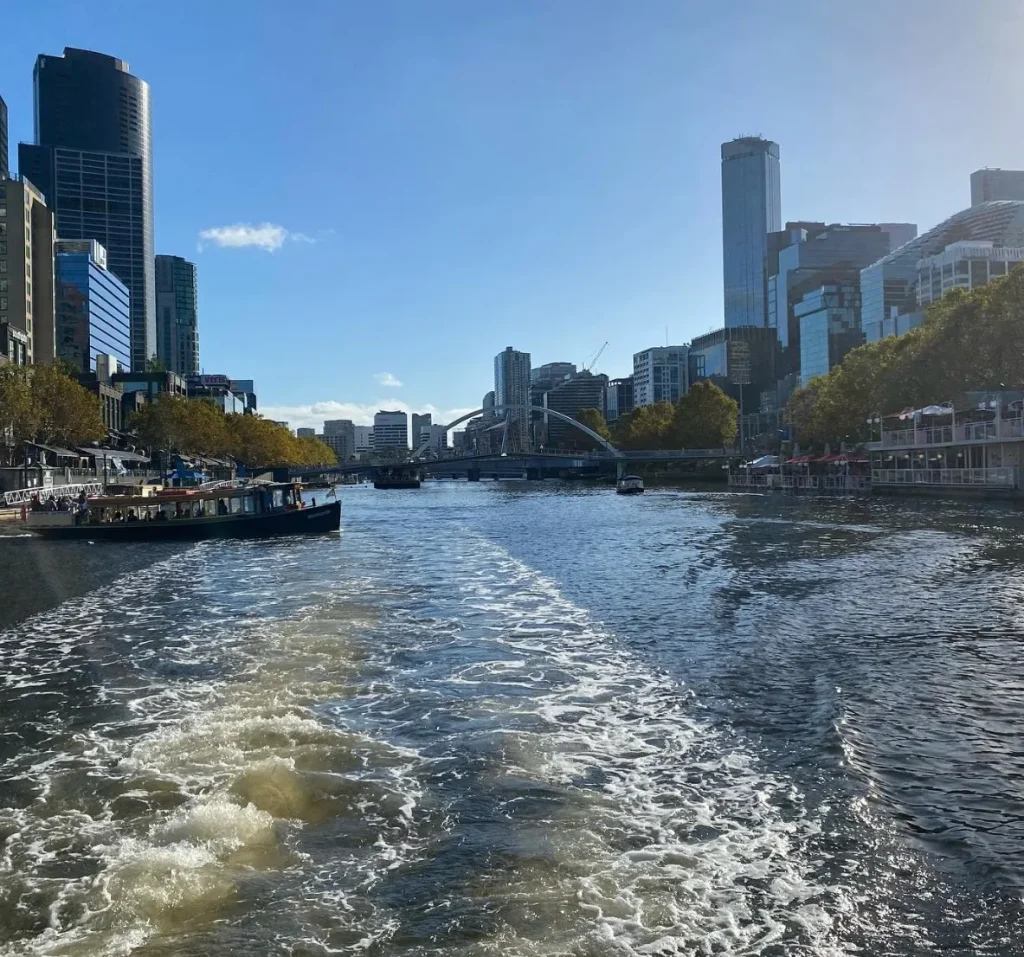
[588,366]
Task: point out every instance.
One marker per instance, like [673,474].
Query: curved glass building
[889,299]
[92,159]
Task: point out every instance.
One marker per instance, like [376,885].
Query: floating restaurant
[975,446]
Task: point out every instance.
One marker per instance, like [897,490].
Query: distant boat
[630,485]
[396,478]
[227,510]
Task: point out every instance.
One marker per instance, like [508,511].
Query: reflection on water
[522,720]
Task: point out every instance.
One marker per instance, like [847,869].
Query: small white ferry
[630,485]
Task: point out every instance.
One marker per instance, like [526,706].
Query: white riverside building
[660,374]
[963,265]
[390,431]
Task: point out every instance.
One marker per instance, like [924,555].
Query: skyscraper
[751,209]
[4,162]
[177,318]
[512,395]
[92,161]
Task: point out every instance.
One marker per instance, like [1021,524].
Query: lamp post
[875,419]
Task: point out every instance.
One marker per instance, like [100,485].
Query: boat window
[249,504]
[209,507]
[235,504]
[278,498]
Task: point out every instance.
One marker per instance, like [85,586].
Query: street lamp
[875,419]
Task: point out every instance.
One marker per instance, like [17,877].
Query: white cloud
[387,380]
[312,416]
[267,236]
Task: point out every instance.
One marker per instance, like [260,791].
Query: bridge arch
[528,408]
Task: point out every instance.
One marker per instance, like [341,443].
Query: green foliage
[44,403]
[197,427]
[705,418]
[969,341]
[593,420]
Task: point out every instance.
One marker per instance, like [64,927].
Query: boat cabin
[179,504]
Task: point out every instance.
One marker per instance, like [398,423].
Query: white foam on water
[152,823]
[670,838]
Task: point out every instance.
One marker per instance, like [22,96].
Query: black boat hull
[312,520]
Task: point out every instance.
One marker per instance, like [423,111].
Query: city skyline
[591,222]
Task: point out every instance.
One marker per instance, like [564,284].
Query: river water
[508,719]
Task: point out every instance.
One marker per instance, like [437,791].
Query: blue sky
[429,182]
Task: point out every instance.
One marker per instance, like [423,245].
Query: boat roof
[171,495]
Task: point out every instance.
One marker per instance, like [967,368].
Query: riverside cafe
[829,474]
[976,441]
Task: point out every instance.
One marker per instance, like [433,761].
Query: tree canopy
[44,403]
[969,341]
[197,427]
[704,418]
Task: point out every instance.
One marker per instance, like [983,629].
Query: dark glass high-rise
[4,164]
[92,159]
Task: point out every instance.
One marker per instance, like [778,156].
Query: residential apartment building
[26,273]
[584,390]
[512,396]
[660,374]
[390,431]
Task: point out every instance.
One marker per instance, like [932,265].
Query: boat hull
[396,483]
[629,491]
[312,520]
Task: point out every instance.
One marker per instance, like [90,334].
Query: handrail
[22,496]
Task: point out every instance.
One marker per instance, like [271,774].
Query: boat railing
[22,496]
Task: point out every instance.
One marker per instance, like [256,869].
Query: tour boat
[226,510]
[630,485]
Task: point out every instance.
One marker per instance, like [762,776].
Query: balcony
[997,478]
[994,430]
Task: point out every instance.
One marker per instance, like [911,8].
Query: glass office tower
[92,161]
[751,209]
[92,306]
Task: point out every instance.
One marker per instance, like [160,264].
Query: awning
[764,462]
[799,460]
[56,450]
[905,414]
[115,454]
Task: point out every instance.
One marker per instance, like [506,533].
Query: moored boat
[222,511]
[630,485]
